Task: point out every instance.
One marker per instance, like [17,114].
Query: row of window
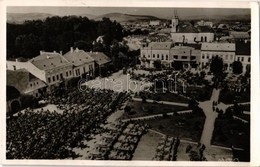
[77,71]
[243,60]
[59,76]
[227,57]
[158,56]
[33,84]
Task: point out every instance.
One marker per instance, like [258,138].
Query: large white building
[226,51]
[155,51]
[167,53]
[187,33]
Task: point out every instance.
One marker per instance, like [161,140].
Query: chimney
[71,49]
[41,52]
[245,41]
[54,51]
[96,52]
[48,57]
[60,52]
[16,60]
[77,50]
[91,51]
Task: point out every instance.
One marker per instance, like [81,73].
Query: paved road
[210,118]
[162,102]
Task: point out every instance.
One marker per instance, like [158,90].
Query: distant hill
[217,17]
[120,17]
[19,18]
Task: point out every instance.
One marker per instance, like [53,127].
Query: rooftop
[159,45]
[48,60]
[78,57]
[20,80]
[218,47]
[187,27]
[99,57]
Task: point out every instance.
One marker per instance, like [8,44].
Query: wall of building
[53,76]
[15,65]
[79,70]
[209,37]
[228,57]
[244,59]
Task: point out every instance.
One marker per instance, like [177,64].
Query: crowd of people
[45,134]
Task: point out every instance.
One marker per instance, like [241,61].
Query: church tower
[175,22]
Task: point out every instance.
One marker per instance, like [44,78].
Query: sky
[158,12]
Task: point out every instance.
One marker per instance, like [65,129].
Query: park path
[162,102]
[210,118]
[155,115]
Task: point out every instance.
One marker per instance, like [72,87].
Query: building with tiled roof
[167,53]
[51,67]
[155,51]
[83,63]
[25,82]
[99,57]
[185,32]
[184,54]
[101,61]
[48,60]
[226,51]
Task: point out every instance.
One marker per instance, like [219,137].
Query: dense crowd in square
[49,135]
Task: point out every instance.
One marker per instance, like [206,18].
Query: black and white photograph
[128,83]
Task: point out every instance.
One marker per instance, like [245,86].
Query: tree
[157,64]
[237,67]
[177,65]
[216,67]
[127,109]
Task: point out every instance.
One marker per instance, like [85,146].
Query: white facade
[192,38]
[155,51]
[226,51]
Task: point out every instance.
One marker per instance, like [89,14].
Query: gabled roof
[218,47]
[21,78]
[186,27]
[205,29]
[159,45]
[243,48]
[48,60]
[239,35]
[99,57]
[78,57]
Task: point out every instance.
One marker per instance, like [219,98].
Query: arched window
[205,39]
[201,39]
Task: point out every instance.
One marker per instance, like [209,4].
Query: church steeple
[175,22]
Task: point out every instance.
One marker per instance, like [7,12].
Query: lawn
[229,132]
[167,96]
[140,109]
[228,97]
[146,148]
[187,127]
[199,93]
